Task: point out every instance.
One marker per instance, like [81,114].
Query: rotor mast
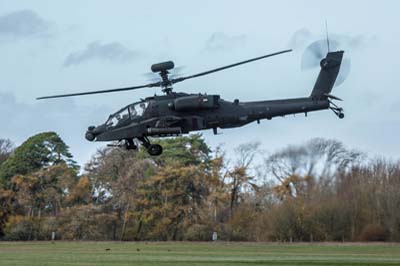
[166,85]
[162,70]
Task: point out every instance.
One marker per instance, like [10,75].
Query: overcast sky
[52,47]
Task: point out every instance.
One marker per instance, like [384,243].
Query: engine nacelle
[195,102]
[164,66]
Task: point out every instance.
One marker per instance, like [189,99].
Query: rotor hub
[162,69]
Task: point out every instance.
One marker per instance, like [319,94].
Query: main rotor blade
[156,84]
[176,80]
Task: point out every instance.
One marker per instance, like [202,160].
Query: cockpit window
[118,118]
[131,111]
[138,109]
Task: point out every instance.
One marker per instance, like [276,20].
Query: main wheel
[341,115]
[154,149]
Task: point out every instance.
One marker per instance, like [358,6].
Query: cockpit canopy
[130,112]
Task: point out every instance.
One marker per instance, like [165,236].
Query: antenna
[327,35]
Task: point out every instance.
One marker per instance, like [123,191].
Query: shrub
[373,232]
[18,228]
[199,232]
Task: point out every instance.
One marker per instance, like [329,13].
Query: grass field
[183,253]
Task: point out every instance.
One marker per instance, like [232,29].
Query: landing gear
[130,145]
[337,110]
[127,144]
[152,149]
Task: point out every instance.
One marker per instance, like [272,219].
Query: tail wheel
[154,149]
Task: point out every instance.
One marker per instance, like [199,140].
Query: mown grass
[188,254]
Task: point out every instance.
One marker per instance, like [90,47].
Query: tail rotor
[318,50]
[335,69]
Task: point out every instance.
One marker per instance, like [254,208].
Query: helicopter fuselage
[181,113]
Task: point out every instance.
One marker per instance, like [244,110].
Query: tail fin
[330,67]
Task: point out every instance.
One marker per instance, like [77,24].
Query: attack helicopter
[177,113]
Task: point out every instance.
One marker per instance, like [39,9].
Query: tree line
[316,191]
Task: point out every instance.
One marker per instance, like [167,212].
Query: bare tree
[6,148]
[317,159]
[239,176]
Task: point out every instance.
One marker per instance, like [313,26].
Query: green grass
[183,253]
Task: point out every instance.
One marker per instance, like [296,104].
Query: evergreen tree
[188,150]
[39,151]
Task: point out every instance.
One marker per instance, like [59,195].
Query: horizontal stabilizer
[333,97]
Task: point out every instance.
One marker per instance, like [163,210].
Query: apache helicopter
[177,113]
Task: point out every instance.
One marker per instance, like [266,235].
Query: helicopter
[177,113]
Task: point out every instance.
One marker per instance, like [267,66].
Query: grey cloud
[114,52]
[220,41]
[353,42]
[24,24]
[64,116]
[300,38]
[304,37]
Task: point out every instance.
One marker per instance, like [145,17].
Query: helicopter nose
[94,131]
[89,136]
